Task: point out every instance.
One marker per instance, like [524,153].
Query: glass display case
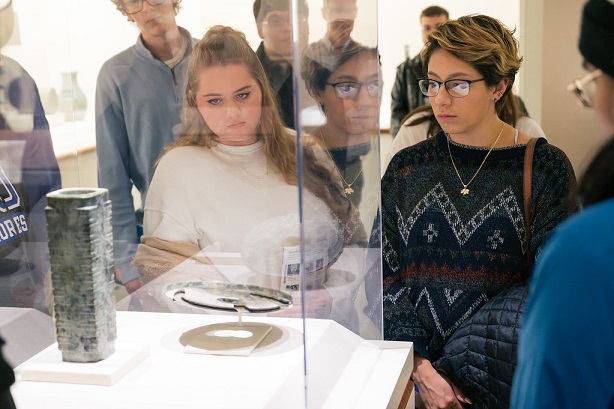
[258,258]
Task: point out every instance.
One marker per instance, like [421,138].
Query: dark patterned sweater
[445,254]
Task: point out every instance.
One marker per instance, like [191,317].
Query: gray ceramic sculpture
[81,255]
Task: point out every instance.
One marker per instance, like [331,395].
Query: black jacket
[406,94]
[280,79]
[481,356]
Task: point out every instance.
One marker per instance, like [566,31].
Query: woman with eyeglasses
[565,354]
[347,87]
[456,251]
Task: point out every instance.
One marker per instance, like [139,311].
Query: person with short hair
[457,255]
[339,16]
[274,24]
[139,95]
[406,95]
[347,88]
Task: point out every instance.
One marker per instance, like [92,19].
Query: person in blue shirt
[28,171]
[139,95]
[565,354]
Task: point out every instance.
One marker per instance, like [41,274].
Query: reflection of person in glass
[347,89]
[234,166]
[339,16]
[139,95]
[28,171]
[273,22]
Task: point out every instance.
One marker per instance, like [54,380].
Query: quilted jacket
[480,357]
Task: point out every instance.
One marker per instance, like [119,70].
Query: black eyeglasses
[456,88]
[350,90]
[583,88]
[134,6]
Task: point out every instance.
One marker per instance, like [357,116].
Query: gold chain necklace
[349,189]
[465,189]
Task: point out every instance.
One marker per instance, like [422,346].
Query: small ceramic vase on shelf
[72,99]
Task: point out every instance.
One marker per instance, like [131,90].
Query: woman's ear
[500,88]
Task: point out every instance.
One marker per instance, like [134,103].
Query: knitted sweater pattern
[446,254]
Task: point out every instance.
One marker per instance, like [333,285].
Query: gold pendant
[464,190]
[348,190]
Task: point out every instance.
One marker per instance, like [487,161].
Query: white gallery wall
[79,35]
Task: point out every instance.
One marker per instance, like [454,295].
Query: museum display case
[281,308]
[285,312]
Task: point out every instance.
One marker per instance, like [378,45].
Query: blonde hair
[489,46]
[221,46]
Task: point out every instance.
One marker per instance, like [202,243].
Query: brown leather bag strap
[527,191]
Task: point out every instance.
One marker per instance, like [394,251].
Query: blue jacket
[138,103]
[565,354]
[30,172]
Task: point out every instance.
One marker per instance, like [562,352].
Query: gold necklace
[465,189]
[349,189]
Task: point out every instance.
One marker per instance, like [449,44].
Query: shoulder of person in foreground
[573,280]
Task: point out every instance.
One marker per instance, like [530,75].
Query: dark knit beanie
[597,35]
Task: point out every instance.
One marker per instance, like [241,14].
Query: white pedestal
[48,366]
[343,370]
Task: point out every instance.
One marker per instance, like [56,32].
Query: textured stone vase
[81,255]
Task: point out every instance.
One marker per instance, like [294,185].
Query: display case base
[48,366]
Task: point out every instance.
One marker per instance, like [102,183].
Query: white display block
[343,370]
[48,366]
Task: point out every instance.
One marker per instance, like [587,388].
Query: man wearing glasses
[139,96]
[274,24]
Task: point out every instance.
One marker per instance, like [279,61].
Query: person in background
[406,95]
[274,24]
[453,230]
[339,16]
[28,171]
[139,95]
[565,355]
